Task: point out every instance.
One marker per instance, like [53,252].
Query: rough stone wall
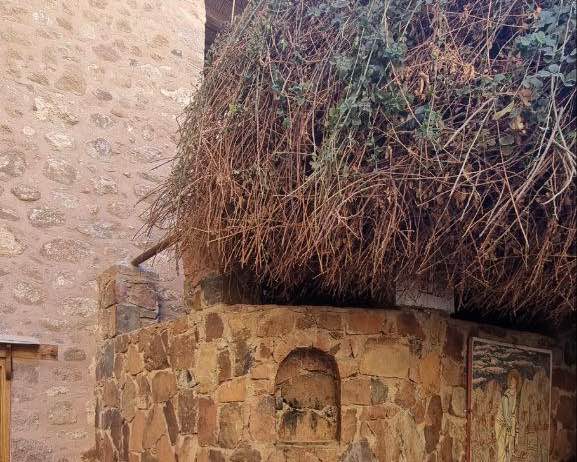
[208,387]
[89,92]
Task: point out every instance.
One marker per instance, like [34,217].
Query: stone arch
[307,397]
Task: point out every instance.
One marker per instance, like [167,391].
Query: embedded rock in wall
[82,90]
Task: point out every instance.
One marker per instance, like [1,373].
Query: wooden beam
[41,351]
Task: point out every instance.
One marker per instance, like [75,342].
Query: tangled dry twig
[336,146]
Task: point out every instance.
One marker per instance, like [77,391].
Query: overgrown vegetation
[336,146]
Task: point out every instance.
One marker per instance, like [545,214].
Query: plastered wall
[89,93]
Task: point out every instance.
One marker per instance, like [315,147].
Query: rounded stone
[72,81]
[99,149]
[74,354]
[106,52]
[45,217]
[65,250]
[104,185]
[101,120]
[60,171]
[79,306]
[8,214]
[100,230]
[26,193]
[27,294]
[12,163]
[59,141]
[62,413]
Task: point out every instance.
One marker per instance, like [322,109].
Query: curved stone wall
[89,92]
[222,384]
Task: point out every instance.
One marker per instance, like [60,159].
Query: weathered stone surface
[430,372]
[359,451]
[163,386]
[62,413]
[188,412]
[8,214]
[46,217]
[60,171]
[134,360]
[105,365]
[386,360]
[230,425]
[137,431]
[104,185]
[110,394]
[154,428]
[26,193]
[99,149]
[275,325]
[379,391]
[12,163]
[9,244]
[454,344]
[164,448]
[434,421]
[408,324]
[207,421]
[243,357]
[59,141]
[245,455]
[214,327]
[74,354]
[224,366]
[128,399]
[232,391]
[181,351]
[106,52]
[414,415]
[459,401]
[27,293]
[72,81]
[101,120]
[171,421]
[356,391]
[155,354]
[364,321]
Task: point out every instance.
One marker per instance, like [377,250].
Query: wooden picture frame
[507,383]
[4,412]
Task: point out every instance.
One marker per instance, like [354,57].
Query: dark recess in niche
[307,391]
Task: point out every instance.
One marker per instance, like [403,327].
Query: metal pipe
[154,250]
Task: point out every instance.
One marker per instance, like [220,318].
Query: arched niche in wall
[307,394]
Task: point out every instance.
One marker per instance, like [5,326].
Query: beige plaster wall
[89,91]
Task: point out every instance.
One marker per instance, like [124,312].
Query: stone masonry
[89,94]
[246,383]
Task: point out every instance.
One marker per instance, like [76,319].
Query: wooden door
[4,413]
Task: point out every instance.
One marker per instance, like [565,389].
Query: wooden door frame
[4,411]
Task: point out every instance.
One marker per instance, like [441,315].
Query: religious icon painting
[509,401]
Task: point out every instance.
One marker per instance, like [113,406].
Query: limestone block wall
[89,93]
[281,384]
